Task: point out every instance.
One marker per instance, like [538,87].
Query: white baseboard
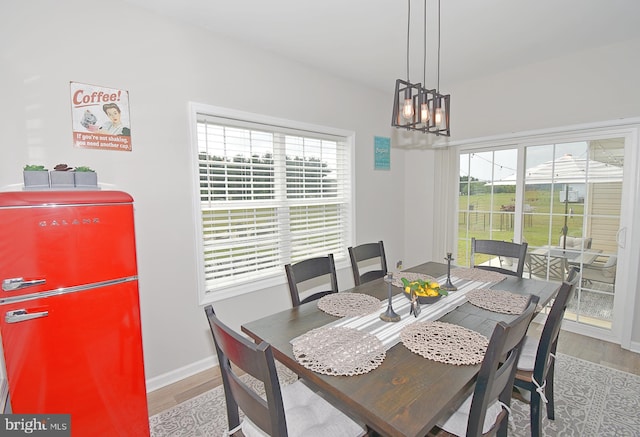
[635,347]
[178,374]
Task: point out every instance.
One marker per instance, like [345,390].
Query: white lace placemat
[338,351]
[499,301]
[445,342]
[477,274]
[345,304]
[409,276]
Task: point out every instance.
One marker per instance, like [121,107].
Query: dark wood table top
[407,394]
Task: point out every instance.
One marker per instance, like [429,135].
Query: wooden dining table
[407,394]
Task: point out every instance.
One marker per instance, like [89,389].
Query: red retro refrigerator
[69,309]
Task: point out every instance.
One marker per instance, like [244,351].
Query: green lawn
[486,216]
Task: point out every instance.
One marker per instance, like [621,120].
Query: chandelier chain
[408,34]
[438,78]
[424,57]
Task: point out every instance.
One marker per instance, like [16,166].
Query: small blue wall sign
[382,153]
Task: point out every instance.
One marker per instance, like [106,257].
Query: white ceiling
[366,40]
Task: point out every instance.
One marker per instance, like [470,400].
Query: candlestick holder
[389,315]
[449,285]
[415,305]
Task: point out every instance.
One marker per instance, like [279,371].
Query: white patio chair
[604,272]
[538,265]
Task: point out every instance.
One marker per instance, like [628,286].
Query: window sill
[278,280]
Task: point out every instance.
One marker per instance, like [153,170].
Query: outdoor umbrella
[567,170]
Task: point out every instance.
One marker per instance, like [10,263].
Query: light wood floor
[579,346]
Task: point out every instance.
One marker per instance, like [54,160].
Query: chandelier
[415,107]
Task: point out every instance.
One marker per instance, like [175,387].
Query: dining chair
[500,249]
[290,410]
[540,264]
[306,270]
[535,369]
[366,252]
[486,410]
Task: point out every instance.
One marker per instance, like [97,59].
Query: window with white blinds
[269,194]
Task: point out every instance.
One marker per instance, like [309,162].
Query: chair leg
[503,429]
[536,417]
[549,394]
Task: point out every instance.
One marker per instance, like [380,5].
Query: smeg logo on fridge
[65,222]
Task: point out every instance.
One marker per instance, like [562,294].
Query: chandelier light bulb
[424,113]
[438,116]
[407,109]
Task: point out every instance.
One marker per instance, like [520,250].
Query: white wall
[163,64]
[589,86]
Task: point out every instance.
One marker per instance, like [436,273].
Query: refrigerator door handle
[22,315]
[18,283]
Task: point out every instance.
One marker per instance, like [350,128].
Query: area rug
[591,400]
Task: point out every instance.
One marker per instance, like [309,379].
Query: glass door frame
[627,279]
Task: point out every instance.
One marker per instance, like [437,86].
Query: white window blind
[269,195]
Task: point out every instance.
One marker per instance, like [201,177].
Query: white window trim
[205,297]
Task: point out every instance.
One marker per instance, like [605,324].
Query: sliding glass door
[571,216]
[564,199]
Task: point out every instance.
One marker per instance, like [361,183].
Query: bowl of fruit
[426,291]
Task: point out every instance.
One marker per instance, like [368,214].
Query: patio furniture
[604,272]
[307,270]
[539,265]
[501,249]
[576,243]
[366,252]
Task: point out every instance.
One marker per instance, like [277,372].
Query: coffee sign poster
[100,117]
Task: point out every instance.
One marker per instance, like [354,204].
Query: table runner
[389,332]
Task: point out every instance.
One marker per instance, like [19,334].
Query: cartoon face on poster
[100,117]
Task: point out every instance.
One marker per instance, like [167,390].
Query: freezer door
[80,354]
[70,240]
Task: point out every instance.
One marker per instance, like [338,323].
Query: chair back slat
[500,249]
[498,369]
[366,252]
[551,330]
[309,269]
[257,361]
[539,372]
